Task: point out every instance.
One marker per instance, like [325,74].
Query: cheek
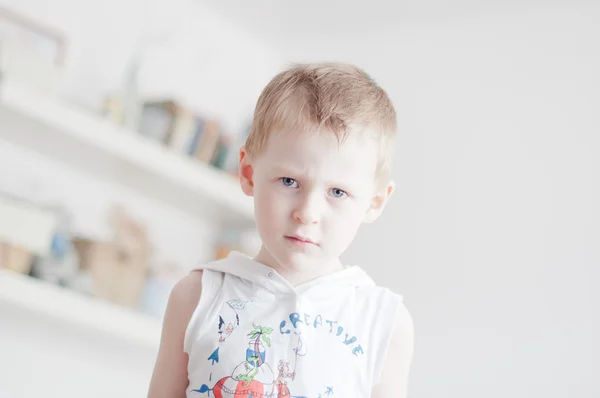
[269,208]
[345,225]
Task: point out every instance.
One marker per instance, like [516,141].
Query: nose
[308,211]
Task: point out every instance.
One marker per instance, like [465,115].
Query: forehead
[320,152]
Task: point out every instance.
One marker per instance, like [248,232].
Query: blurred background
[119,128]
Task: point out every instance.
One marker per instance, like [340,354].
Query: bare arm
[170,378]
[394,378]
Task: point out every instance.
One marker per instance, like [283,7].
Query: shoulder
[188,288]
[202,280]
[390,305]
[184,298]
[400,320]
[403,330]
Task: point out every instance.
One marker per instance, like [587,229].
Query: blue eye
[338,193]
[288,182]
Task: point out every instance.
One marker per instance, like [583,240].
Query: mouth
[301,241]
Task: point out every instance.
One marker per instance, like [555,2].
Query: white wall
[493,234]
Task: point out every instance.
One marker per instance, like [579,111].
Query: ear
[246,172]
[379,201]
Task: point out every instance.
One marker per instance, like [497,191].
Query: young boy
[294,321]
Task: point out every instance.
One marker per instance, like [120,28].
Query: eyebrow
[280,169]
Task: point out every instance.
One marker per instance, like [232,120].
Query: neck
[299,275]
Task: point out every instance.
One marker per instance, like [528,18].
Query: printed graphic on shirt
[298,321]
[229,321]
[328,393]
[254,377]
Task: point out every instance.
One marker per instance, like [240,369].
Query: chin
[294,260]
[302,261]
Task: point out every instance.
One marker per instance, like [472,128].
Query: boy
[294,321]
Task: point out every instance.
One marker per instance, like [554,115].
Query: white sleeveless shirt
[255,335]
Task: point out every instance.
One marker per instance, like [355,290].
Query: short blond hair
[338,97]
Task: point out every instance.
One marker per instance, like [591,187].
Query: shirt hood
[247,269]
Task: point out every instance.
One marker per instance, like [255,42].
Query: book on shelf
[167,122]
[207,142]
[180,129]
[196,135]
[186,132]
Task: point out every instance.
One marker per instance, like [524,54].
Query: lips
[301,239]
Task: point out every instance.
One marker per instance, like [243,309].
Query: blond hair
[338,97]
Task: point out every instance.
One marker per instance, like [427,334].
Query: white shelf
[41,299]
[93,145]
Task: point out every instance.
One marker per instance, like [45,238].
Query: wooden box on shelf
[15,258]
[118,268]
[117,275]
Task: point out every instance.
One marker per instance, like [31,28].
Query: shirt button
[270,274]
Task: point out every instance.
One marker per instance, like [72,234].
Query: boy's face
[311,194]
